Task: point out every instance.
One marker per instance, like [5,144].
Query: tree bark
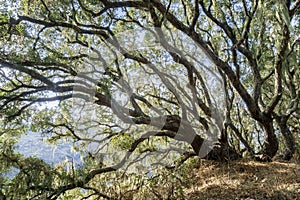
[289,151]
[223,151]
[270,146]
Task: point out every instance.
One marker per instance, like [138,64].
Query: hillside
[245,180]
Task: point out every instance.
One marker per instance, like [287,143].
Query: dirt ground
[245,180]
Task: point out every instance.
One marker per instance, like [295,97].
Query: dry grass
[245,180]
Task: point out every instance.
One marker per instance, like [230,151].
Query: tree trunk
[223,151]
[270,146]
[219,152]
[289,151]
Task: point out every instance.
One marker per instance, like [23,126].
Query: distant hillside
[33,144]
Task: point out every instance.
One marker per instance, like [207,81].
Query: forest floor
[245,179]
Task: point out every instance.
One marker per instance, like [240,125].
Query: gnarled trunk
[289,151]
[223,151]
[270,146]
